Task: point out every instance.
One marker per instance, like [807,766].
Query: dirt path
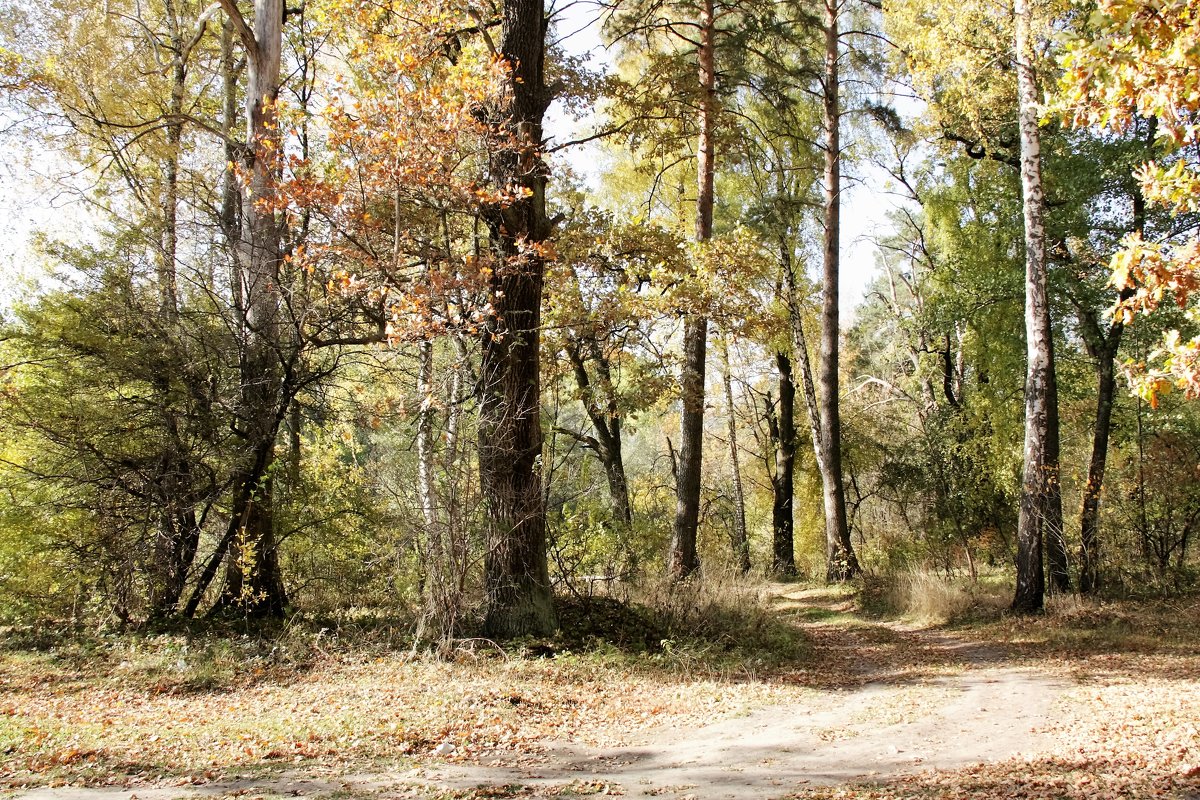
[921,700]
[927,701]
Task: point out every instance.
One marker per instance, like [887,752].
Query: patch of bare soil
[918,702]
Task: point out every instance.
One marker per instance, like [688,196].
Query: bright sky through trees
[866,205]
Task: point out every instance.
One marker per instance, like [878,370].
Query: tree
[1139,61]
[253,582]
[597,319]
[1090,293]
[984,127]
[517,580]
[690,36]
[781,430]
[841,562]
[137,139]
[1040,488]
[739,538]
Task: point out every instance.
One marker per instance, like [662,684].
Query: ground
[1091,701]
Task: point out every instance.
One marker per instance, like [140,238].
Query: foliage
[1132,61]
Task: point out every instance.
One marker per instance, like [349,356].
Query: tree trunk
[516,574]
[783,561]
[1104,348]
[683,559]
[178,533]
[618,486]
[1056,541]
[253,584]
[167,284]
[1089,516]
[425,488]
[739,540]
[1039,476]
[840,562]
[607,444]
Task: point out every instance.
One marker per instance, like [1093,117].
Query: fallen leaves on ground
[58,725]
[1129,729]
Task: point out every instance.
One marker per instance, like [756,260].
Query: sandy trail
[987,711]
[893,722]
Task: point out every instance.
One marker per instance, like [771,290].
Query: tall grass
[929,598]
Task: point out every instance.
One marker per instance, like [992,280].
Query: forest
[492,329]
[348,328]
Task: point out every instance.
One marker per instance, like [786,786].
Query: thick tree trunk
[739,539]
[516,574]
[618,486]
[1039,476]
[683,559]
[840,560]
[253,584]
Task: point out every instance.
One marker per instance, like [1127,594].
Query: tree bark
[1089,515]
[740,540]
[683,559]
[1057,559]
[606,421]
[253,583]
[1104,348]
[425,488]
[840,561]
[1039,476]
[516,574]
[783,436]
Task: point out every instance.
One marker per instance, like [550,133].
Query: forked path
[921,700]
[884,701]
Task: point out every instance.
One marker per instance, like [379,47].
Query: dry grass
[175,709]
[929,599]
[132,709]
[74,723]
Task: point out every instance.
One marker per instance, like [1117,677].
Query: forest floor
[1091,701]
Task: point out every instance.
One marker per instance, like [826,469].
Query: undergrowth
[718,628]
[929,599]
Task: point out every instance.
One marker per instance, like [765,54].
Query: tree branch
[239,24]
